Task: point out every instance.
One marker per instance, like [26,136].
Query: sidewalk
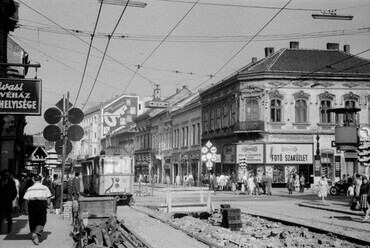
[55,235]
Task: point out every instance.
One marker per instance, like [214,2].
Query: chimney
[332,46]
[269,51]
[254,60]
[294,45]
[346,49]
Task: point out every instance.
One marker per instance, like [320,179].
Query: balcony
[249,126]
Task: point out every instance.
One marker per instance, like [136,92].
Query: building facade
[273,116]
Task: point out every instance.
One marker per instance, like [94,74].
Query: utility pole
[7,24]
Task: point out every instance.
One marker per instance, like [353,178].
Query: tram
[109,175]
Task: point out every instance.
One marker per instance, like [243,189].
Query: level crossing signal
[69,120]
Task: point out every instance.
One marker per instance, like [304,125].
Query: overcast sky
[172,42]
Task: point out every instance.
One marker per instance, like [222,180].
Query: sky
[169,43]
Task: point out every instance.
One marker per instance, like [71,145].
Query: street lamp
[124,3]
[332,15]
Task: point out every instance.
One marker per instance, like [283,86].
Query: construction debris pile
[254,232]
[109,233]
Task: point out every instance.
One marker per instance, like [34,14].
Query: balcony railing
[249,126]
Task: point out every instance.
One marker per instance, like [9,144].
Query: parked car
[339,187]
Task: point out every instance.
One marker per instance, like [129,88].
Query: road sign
[39,153]
[68,105]
[75,115]
[53,115]
[59,146]
[75,133]
[52,133]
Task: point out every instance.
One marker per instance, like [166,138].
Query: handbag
[355,205]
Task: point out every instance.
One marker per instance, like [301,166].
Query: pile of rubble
[255,232]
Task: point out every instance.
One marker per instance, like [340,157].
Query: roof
[311,61]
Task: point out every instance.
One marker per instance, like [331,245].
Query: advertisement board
[20,96]
[119,113]
[289,153]
[252,154]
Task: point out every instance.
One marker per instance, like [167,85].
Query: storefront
[282,160]
[250,158]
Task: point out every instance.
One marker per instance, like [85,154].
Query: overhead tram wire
[71,33]
[147,58]
[242,48]
[237,5]
[54,59]
[88,53]
[105,51]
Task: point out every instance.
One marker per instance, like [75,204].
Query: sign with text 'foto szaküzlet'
[20,96]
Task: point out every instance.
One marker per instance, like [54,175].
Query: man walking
[8,192]
[38,196]
[302,181]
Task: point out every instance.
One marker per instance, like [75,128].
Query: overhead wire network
[74,35]
[105,52]
[157,47]
[245,45]
[88,52]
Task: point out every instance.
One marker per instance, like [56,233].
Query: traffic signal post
[67,116]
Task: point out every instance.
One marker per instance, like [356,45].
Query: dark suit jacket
[8,192]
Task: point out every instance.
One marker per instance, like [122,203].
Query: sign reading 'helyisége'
[20,96]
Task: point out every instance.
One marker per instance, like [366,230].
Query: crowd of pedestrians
[359,190]
[34,195]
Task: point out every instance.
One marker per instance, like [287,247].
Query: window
[225,116]
[198,134]
[206,121]
[218,118]
[251,109]
[233,114]
[212,119]
[275,107]
[325,115]
[193,135]
[301,111]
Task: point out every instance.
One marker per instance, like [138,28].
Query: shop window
[327,164]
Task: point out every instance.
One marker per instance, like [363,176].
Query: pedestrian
[364,192]
[256,181]
[37,196]
[16,200]
[234,181]
[190,179]
[76,186]
[214,183]
[302,182]
[357,183]
[168,180]
[290,184]
[251,185]
[178,180]
[8,193]
[323,188]
[268,184]
[296,183]
[264,183]
[48,182]
[57,186]
[22,191]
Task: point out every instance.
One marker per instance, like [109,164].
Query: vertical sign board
[119,113]
[20,96]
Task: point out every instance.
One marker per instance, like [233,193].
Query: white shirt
[37,192]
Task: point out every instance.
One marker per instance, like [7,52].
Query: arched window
[275,107]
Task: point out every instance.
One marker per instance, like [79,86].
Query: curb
[358,213]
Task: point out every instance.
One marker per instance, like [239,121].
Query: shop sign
[119,113]
[289,153]
[20,96]
[252,154]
